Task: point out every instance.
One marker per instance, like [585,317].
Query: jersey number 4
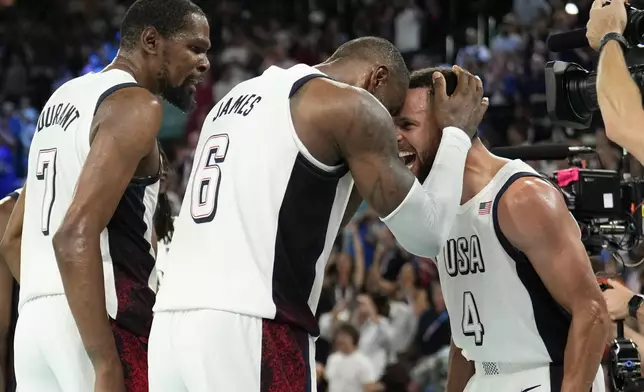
[205,186]
[46,171]
[471,321]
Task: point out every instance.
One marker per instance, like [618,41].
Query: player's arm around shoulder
[363,135]
[534,218]
[123,135]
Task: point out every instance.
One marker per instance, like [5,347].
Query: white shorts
[209,350]
[518,378]
[49,354]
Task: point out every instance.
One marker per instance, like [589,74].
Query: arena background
[44,43]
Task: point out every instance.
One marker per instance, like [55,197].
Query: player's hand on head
[605,19]
[465,108]
[617,299]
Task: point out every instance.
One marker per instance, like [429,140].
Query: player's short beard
[180,96]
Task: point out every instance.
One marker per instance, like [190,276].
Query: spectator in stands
[472,51]
[509,38]
[433,331]
[348,369]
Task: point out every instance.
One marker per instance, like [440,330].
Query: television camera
[571,94]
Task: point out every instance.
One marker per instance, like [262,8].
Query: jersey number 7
[207,177]
[46,171]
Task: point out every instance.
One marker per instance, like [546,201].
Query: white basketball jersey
[58,152]
[499,308]
[260,213]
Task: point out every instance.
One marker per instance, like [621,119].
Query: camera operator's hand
[617,299]
[604,20]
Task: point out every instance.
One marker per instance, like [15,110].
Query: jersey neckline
[505,170]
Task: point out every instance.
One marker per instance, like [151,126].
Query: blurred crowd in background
[382,315]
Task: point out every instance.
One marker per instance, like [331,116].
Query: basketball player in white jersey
[271,182]
[86,266]
[8,303]
[524,305]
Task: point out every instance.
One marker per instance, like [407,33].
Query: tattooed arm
[419,216]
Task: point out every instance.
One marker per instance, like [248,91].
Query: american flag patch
[485,207]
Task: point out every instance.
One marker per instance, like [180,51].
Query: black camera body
[571,90]
[604,206]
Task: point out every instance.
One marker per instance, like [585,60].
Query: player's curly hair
[163,219]
[423,78]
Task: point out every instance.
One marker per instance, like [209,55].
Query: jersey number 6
[207,177]
[46,171]
[471,321]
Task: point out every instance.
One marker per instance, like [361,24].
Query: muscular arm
[459,370]
[12,237]
[420,217]
[620,101]
[125,127]
[6,293]
[534,218]
[352,206]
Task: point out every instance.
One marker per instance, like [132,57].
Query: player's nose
[399,136]
[203,65]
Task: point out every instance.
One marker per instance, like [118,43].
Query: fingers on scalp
[462,82]
[485,104]
[439,86]
[479,82]
[471,81]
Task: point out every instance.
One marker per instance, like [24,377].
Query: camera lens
[582,93]
[634,32]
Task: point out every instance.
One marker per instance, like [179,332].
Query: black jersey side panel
[132,262]
[301,235]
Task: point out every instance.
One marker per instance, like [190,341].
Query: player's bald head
[376,65]
[377,51]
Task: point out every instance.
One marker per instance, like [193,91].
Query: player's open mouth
[408,158]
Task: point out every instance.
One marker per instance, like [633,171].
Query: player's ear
[379,77]
[150,40]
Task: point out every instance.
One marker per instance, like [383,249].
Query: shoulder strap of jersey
[300,82]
